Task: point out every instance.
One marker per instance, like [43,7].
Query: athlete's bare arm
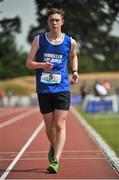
[74,62]
[30,63]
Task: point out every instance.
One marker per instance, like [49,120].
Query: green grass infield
[107,125]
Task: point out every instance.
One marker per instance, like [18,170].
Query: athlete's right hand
[47,66]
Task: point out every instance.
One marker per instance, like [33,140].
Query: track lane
[22,150]
[81,158]
[14,136]
[8,113]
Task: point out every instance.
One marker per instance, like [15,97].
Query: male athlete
[49,55]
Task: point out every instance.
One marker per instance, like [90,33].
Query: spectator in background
[107,85]
[99,89]
[9,96]
[1,97]
[84,90]
[117,90]
[96,93]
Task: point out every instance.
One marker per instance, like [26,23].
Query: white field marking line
[12,111]
[65,158]
[66,179]
[99,141]
[17,118]
[66,151]
[30,140]
[6,113]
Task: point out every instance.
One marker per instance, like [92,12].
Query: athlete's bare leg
[60,125]
[50,127]
[55,123]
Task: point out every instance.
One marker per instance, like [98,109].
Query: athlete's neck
[55,37]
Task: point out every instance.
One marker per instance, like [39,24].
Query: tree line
[12,59]
[90,22]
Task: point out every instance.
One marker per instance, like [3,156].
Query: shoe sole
[51,170]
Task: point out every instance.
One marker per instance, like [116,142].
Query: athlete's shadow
[33,170]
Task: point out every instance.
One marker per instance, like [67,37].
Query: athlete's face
[55,22]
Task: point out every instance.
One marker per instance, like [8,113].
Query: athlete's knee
[53,131]
[60,124]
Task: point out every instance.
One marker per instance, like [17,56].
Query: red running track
[24,148]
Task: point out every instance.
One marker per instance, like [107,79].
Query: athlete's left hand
[75,78]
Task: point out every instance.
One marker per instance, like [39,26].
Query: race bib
[50,78]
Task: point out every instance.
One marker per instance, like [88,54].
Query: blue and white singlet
[56,80]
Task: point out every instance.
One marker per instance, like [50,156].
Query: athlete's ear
[62,21]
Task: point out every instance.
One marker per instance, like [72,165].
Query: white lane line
[70,179]
[11,111]
[17,118]
[99,141]
[10,167]
[65,151]
[65,158]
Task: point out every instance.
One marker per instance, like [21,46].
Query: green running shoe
[53,167]
[51,154]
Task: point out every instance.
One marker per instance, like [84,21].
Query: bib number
[50,78]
